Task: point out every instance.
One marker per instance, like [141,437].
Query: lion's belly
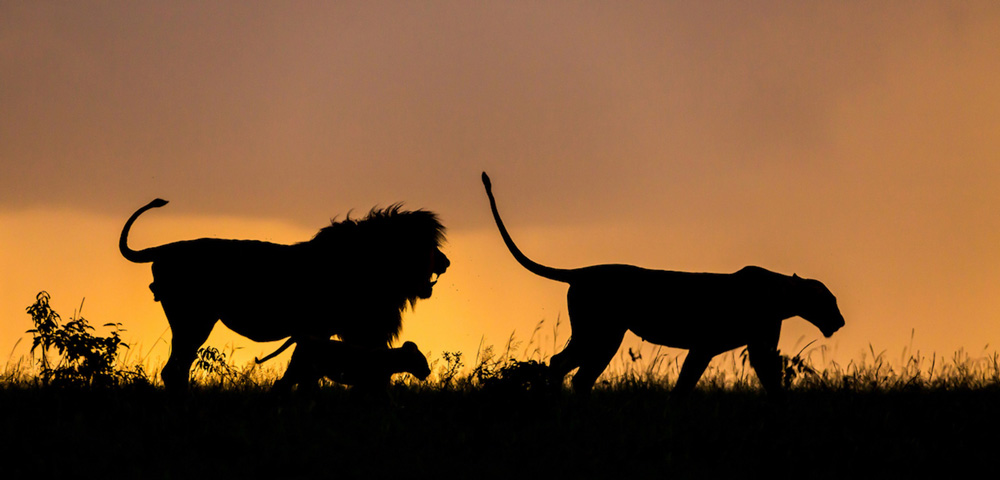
[258,330]
[262,301]
[272,317]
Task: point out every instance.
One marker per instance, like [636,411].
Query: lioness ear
[796,277]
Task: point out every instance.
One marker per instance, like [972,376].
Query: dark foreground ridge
[144,433]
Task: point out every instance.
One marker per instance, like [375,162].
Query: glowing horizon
[484,300]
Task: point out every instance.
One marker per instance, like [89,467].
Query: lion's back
[235,269]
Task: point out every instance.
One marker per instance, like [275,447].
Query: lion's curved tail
[140,256]
[557,274]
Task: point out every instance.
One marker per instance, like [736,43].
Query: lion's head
[394,250]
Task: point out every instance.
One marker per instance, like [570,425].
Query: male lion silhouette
[705,313]
[346,363]
[353,279]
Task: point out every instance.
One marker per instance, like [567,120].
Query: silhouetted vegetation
[83,359]
[497,417]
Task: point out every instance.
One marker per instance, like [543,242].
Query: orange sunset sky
[852,142]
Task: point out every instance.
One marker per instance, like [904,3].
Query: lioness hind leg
[694,366]
[189,331]
[595,354]
[562,363]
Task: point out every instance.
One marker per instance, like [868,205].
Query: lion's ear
[796,277]
[410,346]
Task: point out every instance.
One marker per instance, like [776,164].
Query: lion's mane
[382,255]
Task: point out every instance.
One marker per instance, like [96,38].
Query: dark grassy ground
[497,419]
[636,431]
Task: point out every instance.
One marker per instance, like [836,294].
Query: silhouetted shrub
[84,359]
[215,369]
[530,376]
[453,365]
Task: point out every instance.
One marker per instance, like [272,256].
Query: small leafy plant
[503,373]
[212,362]
[453,365]
[84,359]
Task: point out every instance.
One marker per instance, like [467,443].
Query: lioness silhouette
[705,313]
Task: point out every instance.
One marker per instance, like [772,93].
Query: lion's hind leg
[189,329]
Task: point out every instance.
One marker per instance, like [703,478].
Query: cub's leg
[189,329]
[363,344]
[764,358]
[694,365]
[304,368]
[293,375]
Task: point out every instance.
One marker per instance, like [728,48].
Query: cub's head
[818,305]
[410,359]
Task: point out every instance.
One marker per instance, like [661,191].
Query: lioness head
[818,305]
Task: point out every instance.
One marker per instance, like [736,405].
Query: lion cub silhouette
[346,363]
[705,313]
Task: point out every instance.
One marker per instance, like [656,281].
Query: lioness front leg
[765,360]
